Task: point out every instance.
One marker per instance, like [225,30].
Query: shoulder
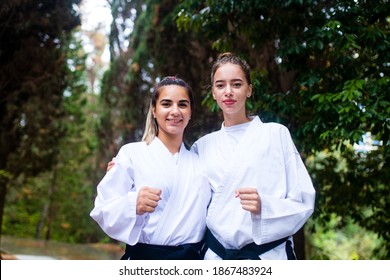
[276,132]
[205,142]
[208,137]
[133,145]
[130,153]
[275,127]
[280,136]
[131,149]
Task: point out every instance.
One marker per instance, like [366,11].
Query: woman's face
[172,111]
[231,89]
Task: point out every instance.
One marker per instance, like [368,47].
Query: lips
[229,101]
[174,121]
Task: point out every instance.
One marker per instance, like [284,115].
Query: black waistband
[141,251]
[248,252]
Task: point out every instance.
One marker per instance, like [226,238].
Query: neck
[172,143]
[230,120]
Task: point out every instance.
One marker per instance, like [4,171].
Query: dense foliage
[41,114]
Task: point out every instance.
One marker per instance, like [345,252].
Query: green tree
[33,84]
[121,100]
[55,204]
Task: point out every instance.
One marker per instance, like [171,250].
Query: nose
[175,110]
[228,91]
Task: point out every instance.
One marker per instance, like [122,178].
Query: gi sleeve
[115,204]
[283,216]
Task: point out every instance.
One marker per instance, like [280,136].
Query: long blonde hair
[151,126]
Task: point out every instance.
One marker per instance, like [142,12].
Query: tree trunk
[50,203]
[41,223]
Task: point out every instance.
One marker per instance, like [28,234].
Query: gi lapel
[234,167]
[172,168]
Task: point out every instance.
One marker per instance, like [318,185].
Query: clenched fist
[147,200]
[249,199]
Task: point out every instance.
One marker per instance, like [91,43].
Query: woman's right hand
[110,165]
[147,200]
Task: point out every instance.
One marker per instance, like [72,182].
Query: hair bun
[225,54]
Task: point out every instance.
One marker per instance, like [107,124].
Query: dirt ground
[7,256]
[12,248]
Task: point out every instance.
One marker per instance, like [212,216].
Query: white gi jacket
[180,216]
[267,159]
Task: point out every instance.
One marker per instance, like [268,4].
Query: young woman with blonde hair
[154,198]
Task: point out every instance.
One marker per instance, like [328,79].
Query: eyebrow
[169,100]
[233,80]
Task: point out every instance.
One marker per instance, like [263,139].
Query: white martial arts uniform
[260,155]
[180,216]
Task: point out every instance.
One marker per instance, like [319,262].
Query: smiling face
[172,111]
[230,90]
